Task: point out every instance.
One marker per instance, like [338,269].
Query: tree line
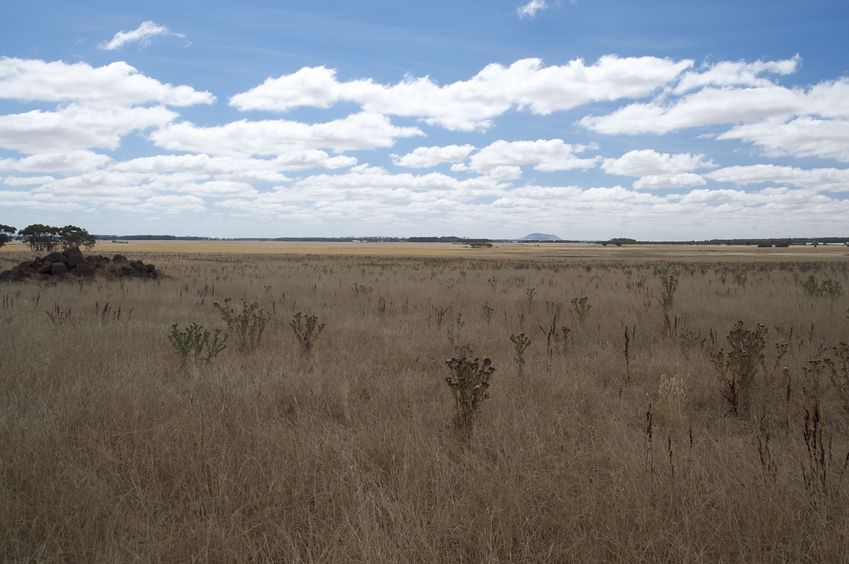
[42,238]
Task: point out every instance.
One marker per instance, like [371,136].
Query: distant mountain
[540,237]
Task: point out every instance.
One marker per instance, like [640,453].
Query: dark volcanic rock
[58,268]
[73,256]
[85,269]
[72,262]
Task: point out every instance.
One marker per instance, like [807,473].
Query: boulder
[73,256]
[73,262]
[58,268]
[85,269]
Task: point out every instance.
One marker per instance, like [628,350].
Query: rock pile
[71,262]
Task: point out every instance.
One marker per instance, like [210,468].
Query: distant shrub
[739,365]
[581,307]
[469,384]
[246,325]
[197,343]
[520,343]
[306,328]
[827,287]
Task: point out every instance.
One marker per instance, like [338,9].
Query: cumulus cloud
[113,84]
[505,159]
[826,179]
[646,162]
[736,73]
[371,194]
[471,104]
[663,181]
[802,122]
[235,168]
[659,170]
[531,9]
[808,121]
[141,34]
[363,130]
[173,204]
[426,157]
[27,180]
[77,127]
[65,162]
[203,166]
[800,137]
[710,106]
[271,167]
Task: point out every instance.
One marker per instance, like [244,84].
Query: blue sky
[587,119]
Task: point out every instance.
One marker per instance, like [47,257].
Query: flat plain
[674,403]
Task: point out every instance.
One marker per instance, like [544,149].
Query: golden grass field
[111,451]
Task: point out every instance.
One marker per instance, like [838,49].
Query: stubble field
[645,423]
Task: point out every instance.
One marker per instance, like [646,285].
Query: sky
[587,119]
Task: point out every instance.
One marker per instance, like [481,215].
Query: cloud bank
[640,146]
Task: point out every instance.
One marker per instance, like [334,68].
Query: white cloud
[173,204]
[710,106]
[243,169]
[663,181]
[275,137]
[268,168]
[736,73]
[68,162]
[472,104]
[76,127]
[801,122]
[827,179]
[800,137]
[426,157]
[530,9]
[369,194]
[504,159]
[113,84]
[219,189]
[204,166]
[27,180]
[646,162]
[141,34]
[659,170]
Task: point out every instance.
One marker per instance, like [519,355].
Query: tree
[73,236]
[40,237]
[47,238]
[7,233]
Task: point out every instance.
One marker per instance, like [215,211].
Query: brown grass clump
[112,450]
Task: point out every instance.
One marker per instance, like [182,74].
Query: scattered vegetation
[469,384]
[246,324]
[732,434]
[306,329]
[194,342]
[520,344]
[581,307]
[739,364]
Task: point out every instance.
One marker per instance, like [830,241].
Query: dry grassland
[111,451]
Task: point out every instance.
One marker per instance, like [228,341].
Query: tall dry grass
[110,451]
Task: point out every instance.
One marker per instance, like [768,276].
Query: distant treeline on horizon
[783,241]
